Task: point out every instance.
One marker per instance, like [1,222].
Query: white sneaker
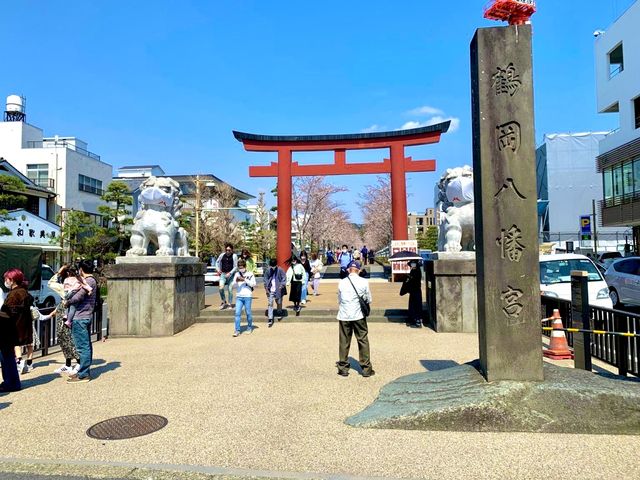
[63,369]
[249,330]
[22,367]
[303,302]
[29,369]
[75,369]
[236,333]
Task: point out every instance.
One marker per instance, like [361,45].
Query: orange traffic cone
[558,347]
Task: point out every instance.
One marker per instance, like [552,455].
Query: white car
[211,276]
[555,278]
[45,297]
[623,277]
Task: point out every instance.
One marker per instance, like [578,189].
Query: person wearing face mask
[244,281]
[304,261]
[274,284]
[295,275]
[251,264]
[344,259]
[413,286]
[15,327]
[316,272]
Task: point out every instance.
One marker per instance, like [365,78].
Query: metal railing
[48,335]
[619,351]
[65,144]
[44,182]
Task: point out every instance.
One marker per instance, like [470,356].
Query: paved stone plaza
[270,404]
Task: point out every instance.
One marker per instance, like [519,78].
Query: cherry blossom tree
[376,209]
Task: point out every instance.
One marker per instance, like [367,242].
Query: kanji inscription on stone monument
[505,204]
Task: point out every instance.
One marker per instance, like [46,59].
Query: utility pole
[197,210]
[595,228]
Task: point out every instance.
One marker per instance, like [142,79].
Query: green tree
[429,239]
[118,198]
[77,232]
[10,198]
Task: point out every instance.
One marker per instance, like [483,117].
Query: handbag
[364,305]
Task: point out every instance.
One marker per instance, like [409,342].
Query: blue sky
[165,82]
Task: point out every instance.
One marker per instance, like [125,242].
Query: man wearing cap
[352,321]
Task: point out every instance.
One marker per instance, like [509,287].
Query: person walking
[304,261]
[245,281]
[344,259]
[85,303]
[351,320]
[372,257]
[413,286]
[24,325]
[16,327]
[274,284]
[227,264]
[316,272]
[364,253]
[295,275]
[251,264]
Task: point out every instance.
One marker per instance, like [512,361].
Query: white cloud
[373,128]
[455,123]
[426,111]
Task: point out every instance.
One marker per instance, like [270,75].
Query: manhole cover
[129,426]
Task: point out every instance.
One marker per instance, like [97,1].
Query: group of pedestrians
[78,290]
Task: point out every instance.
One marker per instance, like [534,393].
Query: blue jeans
[10,377]
[80,329]
[225,284]
[305,281]
[246,303]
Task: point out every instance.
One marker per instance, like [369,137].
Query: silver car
[623,278]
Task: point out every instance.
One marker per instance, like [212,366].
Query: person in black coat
[413,286]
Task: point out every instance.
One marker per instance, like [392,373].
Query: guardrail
[617,350]
[46,330]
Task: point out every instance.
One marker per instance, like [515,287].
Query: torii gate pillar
[397,165]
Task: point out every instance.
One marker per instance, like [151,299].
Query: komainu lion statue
[454,201]
[157,219]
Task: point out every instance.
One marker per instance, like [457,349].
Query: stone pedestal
[453,295]
[154,296]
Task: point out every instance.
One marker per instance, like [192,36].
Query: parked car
[606,258]
[260,268]
[211,276]
[623,277]
[45,297]
[555,278]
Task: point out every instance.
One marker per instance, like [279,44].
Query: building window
[607,184]
[90,185]
[636,175]
[627,178]
[616,61]
[636,111]
[38,173]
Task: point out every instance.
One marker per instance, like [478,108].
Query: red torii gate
[396,165]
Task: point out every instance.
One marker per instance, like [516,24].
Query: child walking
[244,281]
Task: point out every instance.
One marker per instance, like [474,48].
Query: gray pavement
[270,405]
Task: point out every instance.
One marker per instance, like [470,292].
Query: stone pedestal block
[154,296]
[454,293]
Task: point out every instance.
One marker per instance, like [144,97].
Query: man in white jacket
[351,320]
[245,282]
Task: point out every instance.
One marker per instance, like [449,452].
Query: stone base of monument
[153,296]
[459,399]
[453,298]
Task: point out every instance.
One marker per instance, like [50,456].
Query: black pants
[361,331]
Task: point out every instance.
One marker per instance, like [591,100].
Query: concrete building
[617,58]
[567,187]
[62,165]
[417,223]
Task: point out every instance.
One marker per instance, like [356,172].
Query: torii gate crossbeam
[397,165]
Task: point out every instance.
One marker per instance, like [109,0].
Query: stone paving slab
[272,402]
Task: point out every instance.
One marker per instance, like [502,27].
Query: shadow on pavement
[355,365]
[434,365]
[28,382]
[4,405]
[103,368]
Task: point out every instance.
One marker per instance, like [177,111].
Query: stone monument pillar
[505,204]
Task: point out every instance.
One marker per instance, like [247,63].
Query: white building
[617,57]
[61,164]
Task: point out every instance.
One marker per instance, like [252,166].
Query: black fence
[616,350]
[48,335]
